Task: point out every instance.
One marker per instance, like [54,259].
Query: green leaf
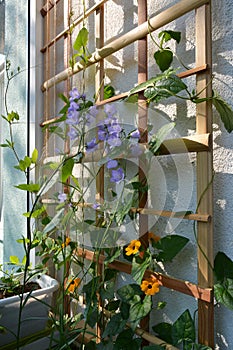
[34,156]
[126,340]
[224,293]
[223,267]
[183,329]
[14,260]
[154,347]
[165,88]
[225,112]
[139,310]
[29,187]
[67,169]
[138,269]
[164,331]
[163,59]
[109,92]
[170,246]
[170,34]
[157,139]
[12,116]
[81,40]
[129,291]
[114,326]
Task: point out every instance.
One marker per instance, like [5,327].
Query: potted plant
[25,304]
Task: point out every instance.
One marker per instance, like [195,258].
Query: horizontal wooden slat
[181,286]
[48,6]
[75,23]
[156,22]
[172,214]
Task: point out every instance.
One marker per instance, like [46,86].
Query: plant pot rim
[48,285]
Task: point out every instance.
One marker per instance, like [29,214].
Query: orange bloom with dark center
[153,237]
[133,247]
[150,286]
[73,284]
[66,243]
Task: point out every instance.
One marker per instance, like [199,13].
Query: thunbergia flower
[91,146]
[117,175]
[150,286]
[112,163]
[133,247]
[62,197]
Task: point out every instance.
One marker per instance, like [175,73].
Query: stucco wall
[121,71]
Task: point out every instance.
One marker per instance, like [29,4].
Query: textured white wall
[121,71]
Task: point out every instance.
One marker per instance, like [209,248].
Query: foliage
[61,238]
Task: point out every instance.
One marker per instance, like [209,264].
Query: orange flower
[73,284]
[150,286]
[66,243]
[133,247]
[153,237]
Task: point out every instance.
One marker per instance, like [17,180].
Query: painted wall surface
[15,47]
[121,72]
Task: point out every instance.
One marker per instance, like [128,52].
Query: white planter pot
[35,312]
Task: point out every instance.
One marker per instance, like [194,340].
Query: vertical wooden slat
[67,87]
[204,176]
[142,123]
[99,87]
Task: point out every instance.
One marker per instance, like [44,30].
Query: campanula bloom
[117,175]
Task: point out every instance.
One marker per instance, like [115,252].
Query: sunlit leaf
[157,139]
[81,40]
[139,310]
[67,169]
[14,260]
[29,187]
[34,156]
[167,35]
[225,112]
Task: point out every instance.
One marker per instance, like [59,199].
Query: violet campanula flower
[74,94]
[91,146]
[114,140]
[72,133]
[136,150]
[110,109]
[112,163]
[117,175]
[62,197]
[135,134]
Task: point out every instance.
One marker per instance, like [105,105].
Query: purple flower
[135,150]
[74,94]
[112,163]
[72,134]
[72,117]
[114,140]
[117,175]
[110,109]
[102,135]
[91,146]
[62,197]
[135,134]
[93,110]
[96,206]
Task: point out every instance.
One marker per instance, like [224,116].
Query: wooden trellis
[201,142]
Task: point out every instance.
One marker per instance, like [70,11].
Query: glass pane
[14,50]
